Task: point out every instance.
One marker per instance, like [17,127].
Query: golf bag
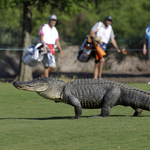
[33,55]
[85,50]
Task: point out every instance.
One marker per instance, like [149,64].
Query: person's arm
[92,33]
[115,45]
[43,43]
[144,47]
[59,48]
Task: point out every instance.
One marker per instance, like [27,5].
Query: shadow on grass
[49,118]
[72,117]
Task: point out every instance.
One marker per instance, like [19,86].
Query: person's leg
[149,59]
[102,60]
[149,55]
[96,70]
[50,69]
[46,68]
[52,63]
[46,72]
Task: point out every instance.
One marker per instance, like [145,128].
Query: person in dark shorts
[105,31]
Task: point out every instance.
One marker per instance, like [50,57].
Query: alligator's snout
[16,83]
[35,85]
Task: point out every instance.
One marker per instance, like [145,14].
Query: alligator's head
[47,87]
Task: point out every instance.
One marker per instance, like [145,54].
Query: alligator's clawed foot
[97,116]
[76,117]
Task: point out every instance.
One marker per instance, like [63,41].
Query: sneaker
[148,82]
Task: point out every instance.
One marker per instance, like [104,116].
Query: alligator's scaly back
[88,93]
[93,89]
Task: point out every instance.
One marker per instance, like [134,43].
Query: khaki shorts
[49,60]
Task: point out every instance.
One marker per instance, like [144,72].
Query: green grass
[30,122]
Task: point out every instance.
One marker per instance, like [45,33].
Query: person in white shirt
[105,31]
[49,37]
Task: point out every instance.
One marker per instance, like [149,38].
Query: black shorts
[93,55]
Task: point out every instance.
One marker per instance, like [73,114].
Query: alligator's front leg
[77,106]
[110,99]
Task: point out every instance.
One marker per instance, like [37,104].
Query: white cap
[53,17]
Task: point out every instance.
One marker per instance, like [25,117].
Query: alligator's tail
[137,98]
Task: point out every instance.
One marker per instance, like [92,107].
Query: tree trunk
[26,71]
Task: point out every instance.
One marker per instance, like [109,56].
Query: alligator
[89,94]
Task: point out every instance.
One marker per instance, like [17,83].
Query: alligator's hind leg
[137,112]
[77,106]
[110,99]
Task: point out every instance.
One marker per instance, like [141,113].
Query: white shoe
[148,82]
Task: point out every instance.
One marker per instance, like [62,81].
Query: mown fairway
[30,122]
